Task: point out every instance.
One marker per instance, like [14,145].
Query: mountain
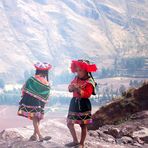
[61,30]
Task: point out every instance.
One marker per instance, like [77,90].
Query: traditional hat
[42,66]
[83,64]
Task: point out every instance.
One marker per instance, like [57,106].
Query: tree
[2,83]
[122,89]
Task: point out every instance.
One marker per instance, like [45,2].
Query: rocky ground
[123,123]
[130,134]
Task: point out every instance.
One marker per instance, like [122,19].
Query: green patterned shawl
[37,89]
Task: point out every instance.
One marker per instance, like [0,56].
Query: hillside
[61,30]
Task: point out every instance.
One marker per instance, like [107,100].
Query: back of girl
[35,94]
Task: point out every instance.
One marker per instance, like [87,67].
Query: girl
[35,94]
[82,87]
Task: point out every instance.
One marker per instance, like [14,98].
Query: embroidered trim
[33,107]
[35,96]
[88,121]
[30,115]
[79,113]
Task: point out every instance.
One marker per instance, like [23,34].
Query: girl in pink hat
[35,93]
[82,87]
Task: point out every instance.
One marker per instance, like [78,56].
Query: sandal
[79,146]
[72,144]
[41,139]
[33,138]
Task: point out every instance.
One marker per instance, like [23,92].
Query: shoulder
[90,81]
[41,79]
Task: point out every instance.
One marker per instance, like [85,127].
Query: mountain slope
[61,30]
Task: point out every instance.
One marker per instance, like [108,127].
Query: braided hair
[89,73]
[44,73]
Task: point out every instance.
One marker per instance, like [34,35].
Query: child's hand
[71,88]
[74,87]
[77,87]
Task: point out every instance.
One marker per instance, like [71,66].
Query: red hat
[85,65]
[42,66]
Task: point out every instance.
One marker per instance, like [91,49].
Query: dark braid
[90,74]
[43,72]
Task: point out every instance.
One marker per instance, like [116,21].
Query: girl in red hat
[82,87]
[35,94]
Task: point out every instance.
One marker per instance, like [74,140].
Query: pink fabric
[41,79]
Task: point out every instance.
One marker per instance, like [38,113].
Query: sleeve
[87,91]
[69,87]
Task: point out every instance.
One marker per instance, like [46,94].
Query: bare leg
[73,132]
[83,134]
[36,127]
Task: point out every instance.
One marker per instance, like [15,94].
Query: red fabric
[87,91]
[86,88]
[83,65]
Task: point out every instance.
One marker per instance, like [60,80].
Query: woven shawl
[37,89]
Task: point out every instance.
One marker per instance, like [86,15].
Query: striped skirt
[79,111]
[31,107]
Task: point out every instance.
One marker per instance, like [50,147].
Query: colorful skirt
[31,107]
[79,111]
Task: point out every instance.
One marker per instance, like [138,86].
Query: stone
[115,132]
[93,134]
[137,144]
[10,135]
[120,110]
[140,115]
[126,131]
[127,140]
[141,134]
[145,139]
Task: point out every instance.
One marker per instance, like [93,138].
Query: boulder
[115,132]
[141,134]
[125,140]
[121,109]
[10,135]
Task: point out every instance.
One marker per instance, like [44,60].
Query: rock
[145,139]
[102,136]
[115,132]
[10,135]
[127,140]
[141,134]
[93,134]
[136,139]
[137,144]
[126,131]
[27,144]
[120,110]
[3,144]
[140,115]
[110,140]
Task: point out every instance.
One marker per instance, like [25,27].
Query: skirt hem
[30,115]
[89,121]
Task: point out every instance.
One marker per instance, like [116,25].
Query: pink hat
[42,66]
